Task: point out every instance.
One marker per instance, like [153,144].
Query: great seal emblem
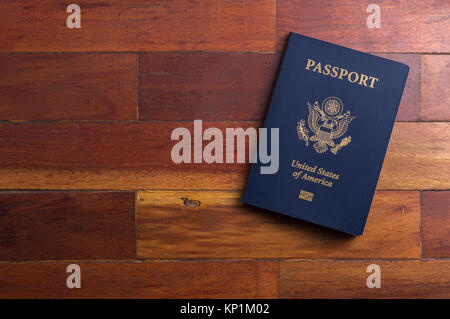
[327,123]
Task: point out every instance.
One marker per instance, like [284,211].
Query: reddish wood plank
[139,25]
[38,226]
[142,280]
[68,87]
[228,86]
[234,86]
[223,227]
[105,156]
[137,156]
[436,224]
[406,26]
[341,279]
[434,89]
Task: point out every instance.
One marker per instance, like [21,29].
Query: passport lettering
[314,174]
[341,73]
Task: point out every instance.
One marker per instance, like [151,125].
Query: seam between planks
[135,226]
[421,223]
[43,190]
[18,122]
[204,52]
[137,86]
[420,88]
[240,260]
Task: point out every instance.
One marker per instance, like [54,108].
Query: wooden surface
[399,279]
[223,227]
[434,91]
[85,170]
[39,226]
[436,224]
[139,25]
[406,26]
[90,86]
[229,86]
[129,156]
[417,157]
[157,279]
[207,86]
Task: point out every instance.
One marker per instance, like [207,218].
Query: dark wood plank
[406,26]
[228,86]
[139,25]
[105,156]
[68,87]
[435,224]
[137,156]
[207,86]
[223,227]
[341,279]
[38,226]
[434,87]
[142,280]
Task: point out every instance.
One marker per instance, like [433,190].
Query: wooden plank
[417,157]
[436,224]
[344,279]
[139,25]
[207,86]
[229,86]
[68,87]
[434,89]
[142,280]
[406,26]
[223,227]
[131,156]
[105,156]
[80,225]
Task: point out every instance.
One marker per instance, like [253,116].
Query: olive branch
[302,132]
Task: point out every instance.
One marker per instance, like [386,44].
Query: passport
[335,109]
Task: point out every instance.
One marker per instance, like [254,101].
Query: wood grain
[139,25]
[417,157]
[80,225]
[223,227]
[129,156]
[228,86]
[105,156]
[142,280]
[435,224]
[406,26]
[341,279]
[434,89]
[68,87]
[207,86]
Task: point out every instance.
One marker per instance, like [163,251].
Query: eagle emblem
[327,123]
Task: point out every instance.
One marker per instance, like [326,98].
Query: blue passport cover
[335,109]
